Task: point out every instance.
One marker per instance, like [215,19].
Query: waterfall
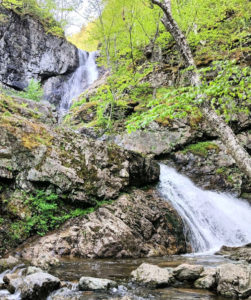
[80,80]
[211,219]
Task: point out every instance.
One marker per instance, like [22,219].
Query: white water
[211,219]
[81,79]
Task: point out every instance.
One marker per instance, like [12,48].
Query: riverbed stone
[8,263]
[207,279]
[234,280]
[152,275]
[237,253]
[186,272]
[37,285]
[95,284]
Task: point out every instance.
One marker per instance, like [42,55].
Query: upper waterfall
[211,219]
[80,80]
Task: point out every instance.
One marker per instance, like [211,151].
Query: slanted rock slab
[95,284]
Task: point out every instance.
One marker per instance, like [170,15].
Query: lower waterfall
[211,219]
[80,80]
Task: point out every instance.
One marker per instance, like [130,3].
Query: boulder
[37,285]
[207,279]
[234,280]
[95,284]
[8,263]
[186,272]
[153,275]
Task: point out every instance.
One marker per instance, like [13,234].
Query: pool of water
[119,270]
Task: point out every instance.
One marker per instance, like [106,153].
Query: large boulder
[138,224]
[27,51]
[234,280]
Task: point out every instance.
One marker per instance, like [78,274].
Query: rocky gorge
[74,197]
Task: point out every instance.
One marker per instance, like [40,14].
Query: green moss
[201,148]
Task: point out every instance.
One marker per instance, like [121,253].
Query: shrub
[34,91]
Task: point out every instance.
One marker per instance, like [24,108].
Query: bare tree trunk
[227,136]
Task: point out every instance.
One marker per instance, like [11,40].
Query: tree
[225,133]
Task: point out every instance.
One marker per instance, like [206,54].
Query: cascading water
[211,219]
[81,79]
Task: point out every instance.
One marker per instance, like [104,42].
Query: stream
[120,269]
[211,220]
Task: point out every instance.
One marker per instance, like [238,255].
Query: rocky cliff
[27,51]
[38,157]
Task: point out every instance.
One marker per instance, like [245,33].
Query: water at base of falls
[80,80]
[211,219]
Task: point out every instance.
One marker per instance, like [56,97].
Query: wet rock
[95,284]
[8,263]
[153,275]
[37,285]
[207,279]
[27,51]
[234,280]
[209,165]
[186,272]
[138,224]
[32,270]
[237,253]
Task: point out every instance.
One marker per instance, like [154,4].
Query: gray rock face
[26,51]
[95,284]
[79,168]
[153,275]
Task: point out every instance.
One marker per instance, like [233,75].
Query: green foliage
[216,30]
[43,11]
[228,93]
[34,91]
[47,213]
[44,212]
[201,148]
